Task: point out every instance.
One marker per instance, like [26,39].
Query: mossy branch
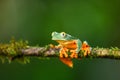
[21,51]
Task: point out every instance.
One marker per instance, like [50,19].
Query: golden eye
[63,34]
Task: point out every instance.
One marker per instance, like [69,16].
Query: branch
[21,51]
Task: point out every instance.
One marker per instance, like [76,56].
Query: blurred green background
[97,21]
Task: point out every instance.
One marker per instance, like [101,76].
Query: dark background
[97,21]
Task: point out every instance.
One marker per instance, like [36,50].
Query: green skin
[64,38]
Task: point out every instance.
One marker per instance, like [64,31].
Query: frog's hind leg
[86,48]
[63,52]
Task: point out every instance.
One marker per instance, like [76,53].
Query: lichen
[12,49]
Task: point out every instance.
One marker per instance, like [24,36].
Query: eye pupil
[63,34]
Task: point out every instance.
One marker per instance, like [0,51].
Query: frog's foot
[86,48]
[73,54]
[63,52]
[67,61]
[52,46]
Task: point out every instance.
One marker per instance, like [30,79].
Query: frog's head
[61,36]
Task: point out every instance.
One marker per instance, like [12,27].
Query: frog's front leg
[63,52]
[74,54]
[75,50]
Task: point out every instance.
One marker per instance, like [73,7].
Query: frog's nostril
[53,33]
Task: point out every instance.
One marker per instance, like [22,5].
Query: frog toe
[74,55]
[61,54]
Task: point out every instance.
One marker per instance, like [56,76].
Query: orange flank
[71,44]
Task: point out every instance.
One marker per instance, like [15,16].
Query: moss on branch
[21,51]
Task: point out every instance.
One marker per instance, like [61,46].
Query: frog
[68,43]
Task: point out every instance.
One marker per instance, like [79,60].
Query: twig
[21,51]
[113,53]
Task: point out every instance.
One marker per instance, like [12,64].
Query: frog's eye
[63,34]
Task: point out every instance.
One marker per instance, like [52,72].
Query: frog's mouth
[60,41]
[57,39]
[63,41]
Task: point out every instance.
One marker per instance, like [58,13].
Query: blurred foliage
[96,21]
